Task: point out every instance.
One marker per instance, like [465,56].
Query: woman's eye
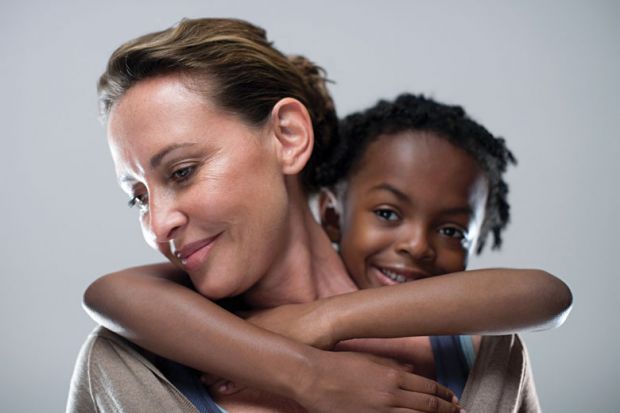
[453,232]
[386,214]
[181,174]
[139,200]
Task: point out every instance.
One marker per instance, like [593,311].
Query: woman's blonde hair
[233,65]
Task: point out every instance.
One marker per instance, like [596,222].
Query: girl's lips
[394,275]
[193,255]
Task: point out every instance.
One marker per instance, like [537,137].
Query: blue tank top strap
[187,381]
[467,346]
[454,357]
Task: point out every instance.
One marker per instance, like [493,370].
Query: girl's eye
[453,232]
[386,214]
[183,173]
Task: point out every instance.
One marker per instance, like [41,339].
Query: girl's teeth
[393,276]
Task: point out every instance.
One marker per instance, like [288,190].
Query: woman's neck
[308,268]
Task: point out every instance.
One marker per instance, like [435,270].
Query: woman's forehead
[160,115]
[151,100]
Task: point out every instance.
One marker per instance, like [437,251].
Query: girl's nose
[415,242]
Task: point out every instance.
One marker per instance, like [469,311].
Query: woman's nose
[415,242]
[164,217]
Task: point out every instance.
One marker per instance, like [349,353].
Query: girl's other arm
[490,301]
[154,307]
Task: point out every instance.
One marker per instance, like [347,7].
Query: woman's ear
[329,210]
[292,127]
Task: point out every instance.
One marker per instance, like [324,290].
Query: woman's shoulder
[111,374]
[104,351]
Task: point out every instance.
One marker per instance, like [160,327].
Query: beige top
[111,375]
[501,379]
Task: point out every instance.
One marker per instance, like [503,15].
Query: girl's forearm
[493,301]
[145,306]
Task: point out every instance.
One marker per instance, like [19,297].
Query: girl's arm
[155,312]
[490,301]
[146,306]
[154,307]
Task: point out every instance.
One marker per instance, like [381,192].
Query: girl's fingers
[427,403]
[209,380]
[218,385]
[419,384]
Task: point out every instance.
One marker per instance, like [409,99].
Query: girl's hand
[354,382]
[380,385]
[346,381]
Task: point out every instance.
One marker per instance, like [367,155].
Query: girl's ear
[292,127]
[329,210]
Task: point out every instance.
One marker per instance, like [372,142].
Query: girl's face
[412,209]
[208,187]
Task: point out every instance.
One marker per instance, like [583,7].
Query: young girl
[416,187]
[161,117]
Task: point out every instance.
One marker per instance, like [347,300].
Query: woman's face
[412,209]
[208,187]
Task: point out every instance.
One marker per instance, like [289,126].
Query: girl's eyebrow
[384,186]
[464,210]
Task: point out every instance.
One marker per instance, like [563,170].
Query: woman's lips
[194,254]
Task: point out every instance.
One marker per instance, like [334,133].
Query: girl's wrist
[299,383]
[326,319]
[337,321]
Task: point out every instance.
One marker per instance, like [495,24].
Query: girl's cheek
[452,261]
[377,240]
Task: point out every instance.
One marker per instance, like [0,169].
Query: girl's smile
[412,208]
[391,274]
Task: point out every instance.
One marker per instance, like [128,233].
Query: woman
[212,134]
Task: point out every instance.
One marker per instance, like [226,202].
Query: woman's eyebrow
[125,182]
[159,156]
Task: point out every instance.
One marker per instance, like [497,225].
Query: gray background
[540,73]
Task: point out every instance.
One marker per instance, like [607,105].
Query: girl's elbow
[556,296]
[564,302]
[97,295]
